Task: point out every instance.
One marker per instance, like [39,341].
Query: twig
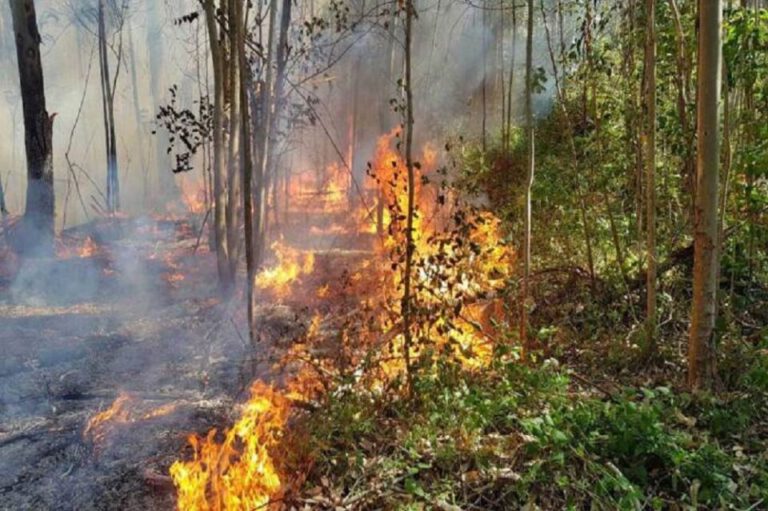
[202,228]
[592,384]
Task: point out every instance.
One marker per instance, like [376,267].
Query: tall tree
[701,349]
[108,104]
[233,155]
[247,171]
[272,102]
[649,150]
[530,169]
[262,131]
[38,229]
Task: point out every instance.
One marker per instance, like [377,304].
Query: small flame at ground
[88,248]
[239,473]
[124,410]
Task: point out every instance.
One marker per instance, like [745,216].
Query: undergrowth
[529,436]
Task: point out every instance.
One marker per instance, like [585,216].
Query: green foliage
[518,435]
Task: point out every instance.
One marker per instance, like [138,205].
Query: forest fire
[85,249]
[125,409]
[291,265]
[344,255]
[194,195]
[239,472]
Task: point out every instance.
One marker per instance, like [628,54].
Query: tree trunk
[683,80]
[234,155]
[140,131]
[531,167]
[38,230]
[219,192]
[649,149]
[409,244]
[511,83]
[107,98]
[701,349]
[262,139]
[247,191]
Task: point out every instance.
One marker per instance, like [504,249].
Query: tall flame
[237,471]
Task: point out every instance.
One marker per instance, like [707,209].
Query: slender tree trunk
[38,227]
[108,104]
[531,167]
[726,170]
[140,132]
[484,90]
[649,149]
[701,346]
[234,156]
[683,80]
[247,189]
[263,137]
[407,302]
[511,82]
[219,191]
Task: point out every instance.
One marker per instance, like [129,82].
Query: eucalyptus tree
[701,344]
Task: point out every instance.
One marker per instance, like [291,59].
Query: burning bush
[460,261]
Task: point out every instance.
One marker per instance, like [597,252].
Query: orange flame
[88,248]
[193,195]
[122,411]
[239,473]
[291,265]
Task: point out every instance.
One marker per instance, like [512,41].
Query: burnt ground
[76,332]
[138,318]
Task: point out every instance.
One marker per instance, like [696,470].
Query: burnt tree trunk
[37,233]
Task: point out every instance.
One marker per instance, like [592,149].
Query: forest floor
[126,323]
[120,347]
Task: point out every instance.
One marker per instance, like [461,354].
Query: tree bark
[701,348]
[38,229]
